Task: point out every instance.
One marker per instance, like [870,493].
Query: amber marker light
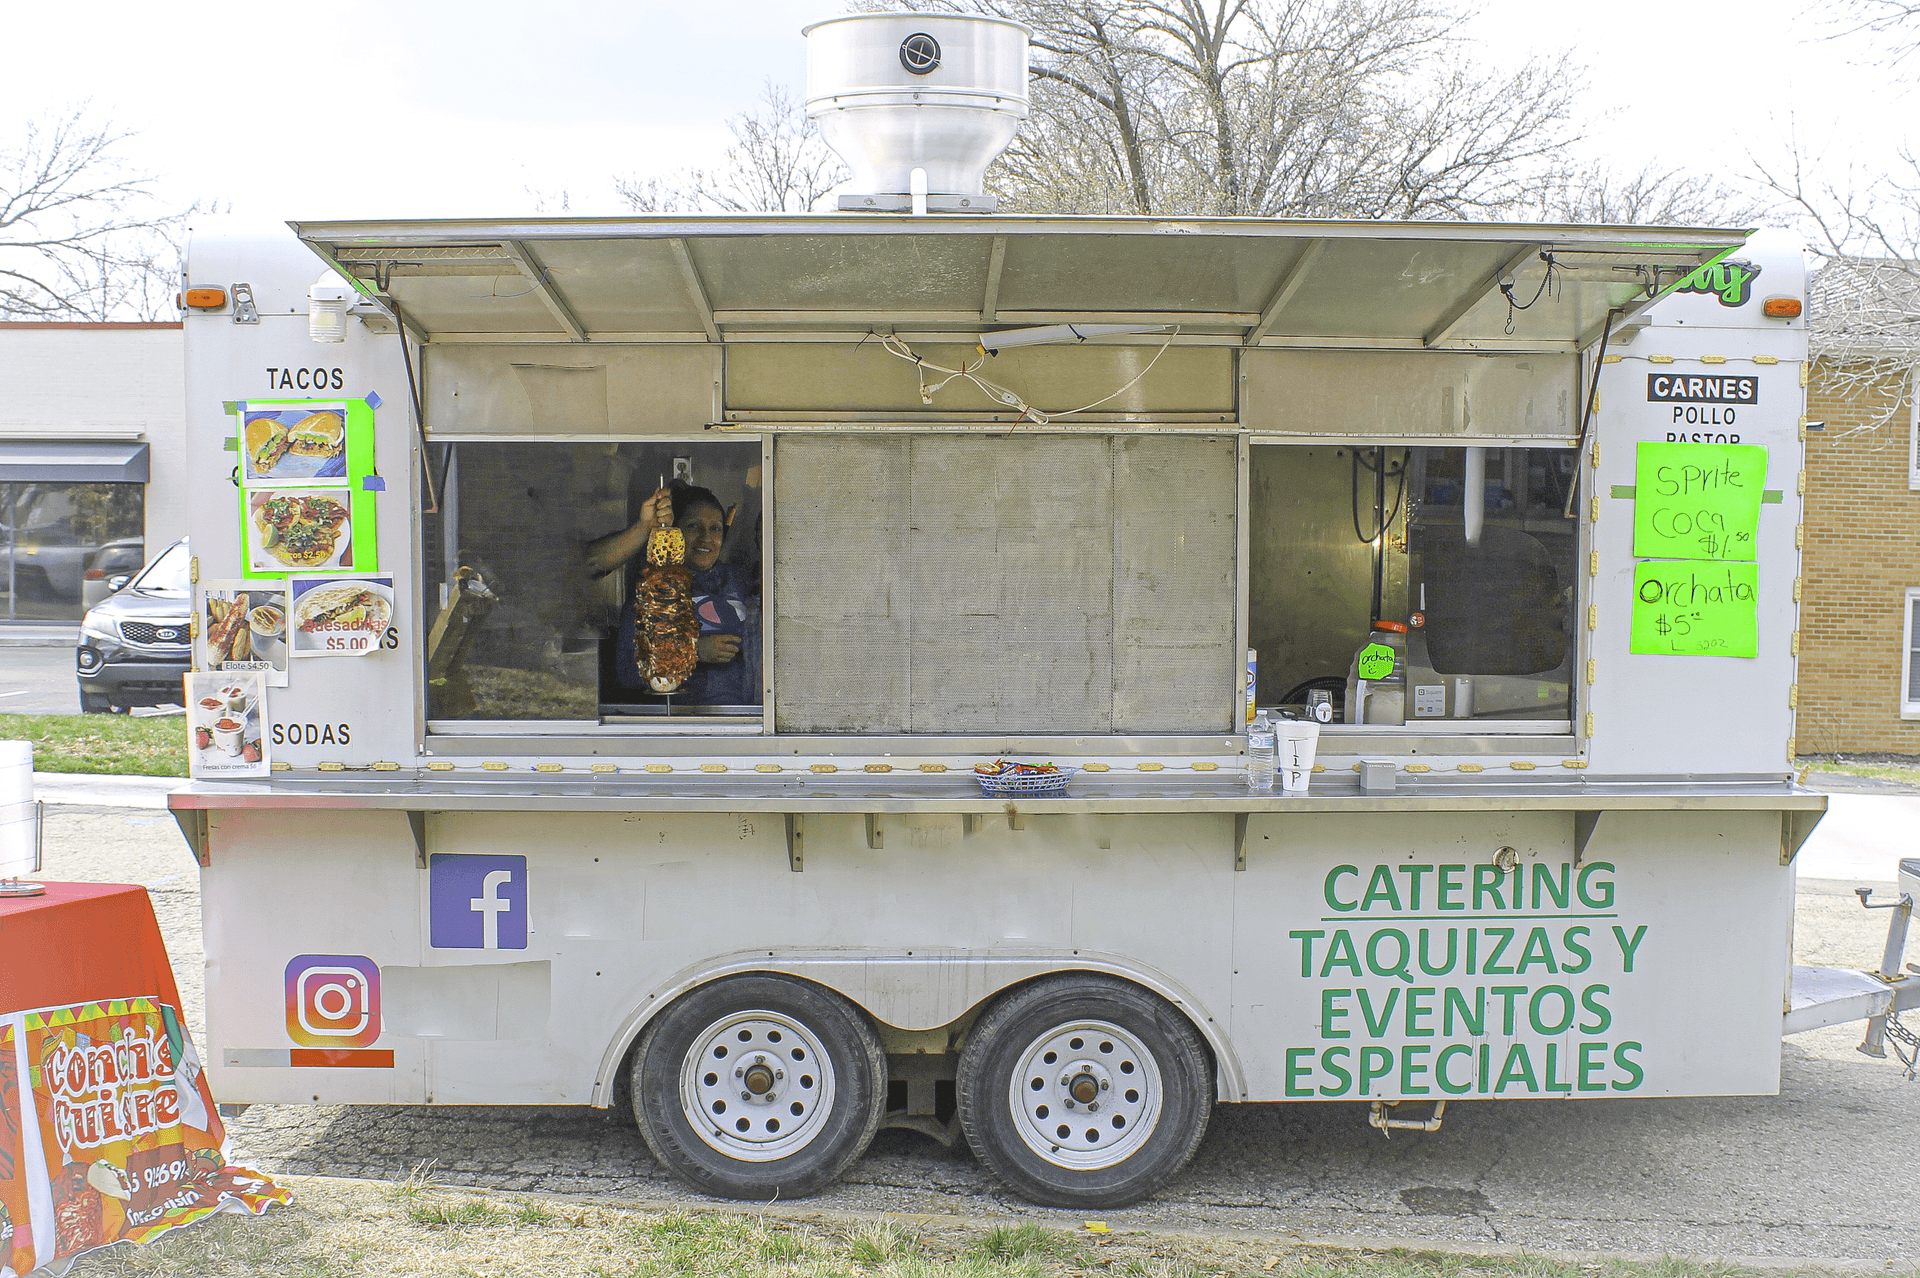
[1781,308]
[206,299]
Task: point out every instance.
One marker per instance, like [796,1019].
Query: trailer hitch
[1378,1118]
[1906,1044]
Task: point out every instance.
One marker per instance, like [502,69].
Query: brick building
[1859,685]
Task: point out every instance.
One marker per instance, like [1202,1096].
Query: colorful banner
[122,1139]
[307,485]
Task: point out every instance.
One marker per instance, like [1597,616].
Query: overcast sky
[427,108]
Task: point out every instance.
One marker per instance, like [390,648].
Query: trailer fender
[922,990]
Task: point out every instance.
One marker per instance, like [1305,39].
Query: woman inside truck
[728,649]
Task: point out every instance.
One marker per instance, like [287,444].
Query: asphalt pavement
[38,680]
[1825,1169]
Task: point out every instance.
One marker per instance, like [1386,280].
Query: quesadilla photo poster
[340,616]
[306,503]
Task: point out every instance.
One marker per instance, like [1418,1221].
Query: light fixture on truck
[994,343]
[327,303]
[206,299]
[1781,308]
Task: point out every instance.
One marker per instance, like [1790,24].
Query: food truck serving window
[531,571]
[1033,584]
[1450,572]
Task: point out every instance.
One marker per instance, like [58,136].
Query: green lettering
[1518,1068]
[1506,938]
[1381,888]
[1408,1069]
[1414,873]
[1539,950]
[1603,1015]
[1628,947]
[1635,1074]
[1553,1070]
[1453,953]
[1539,1022]
[1399,966]
[1574,947]
[1487,881]
[1450,886]
[1543,878]
[1506,995]
[1306,940]
[1338,1071]
[1415,1011]
[1375,1062]
[1329,1013]
[1342,945]
[1474,1018]
[1441,1076]
[1376,1027]
[1595,896]
[1332,876]
[1589,1067]
[1296,1072]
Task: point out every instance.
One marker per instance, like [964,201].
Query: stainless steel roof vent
[899,92]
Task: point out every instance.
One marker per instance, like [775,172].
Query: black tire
[777,1014]
[93,702]
[1004,1058]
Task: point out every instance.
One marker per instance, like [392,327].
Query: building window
[1910,658]
[60,544]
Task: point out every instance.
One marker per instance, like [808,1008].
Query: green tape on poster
[1697,501]
[304,502]
[1696,608]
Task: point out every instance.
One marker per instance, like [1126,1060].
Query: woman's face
[705,528]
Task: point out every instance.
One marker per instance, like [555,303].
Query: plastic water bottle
[1262,750]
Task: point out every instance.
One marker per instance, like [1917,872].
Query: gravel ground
[1825,1169]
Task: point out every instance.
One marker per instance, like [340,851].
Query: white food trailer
[1548,855]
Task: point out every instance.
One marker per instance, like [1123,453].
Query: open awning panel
[1277,283]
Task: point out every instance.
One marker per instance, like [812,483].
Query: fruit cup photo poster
[227,729]
[107,1133]
[241,626]
[307,485]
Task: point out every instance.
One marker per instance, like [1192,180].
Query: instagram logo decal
[333,1000]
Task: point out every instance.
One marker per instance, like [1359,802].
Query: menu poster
[341,616]
[227,735]
[308,485]
[242,625]
[1697,501]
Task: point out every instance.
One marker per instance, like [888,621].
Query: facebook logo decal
[477,902]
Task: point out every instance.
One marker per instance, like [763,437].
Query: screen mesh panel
[1039,584]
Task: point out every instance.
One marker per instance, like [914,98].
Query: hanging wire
[1549,285]
[1353,492]
[969,371]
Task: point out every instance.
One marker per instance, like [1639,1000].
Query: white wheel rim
[1085,1095]
[757,1086]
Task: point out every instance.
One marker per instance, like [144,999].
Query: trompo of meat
[665,629]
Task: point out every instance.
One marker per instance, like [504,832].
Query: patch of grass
[878,1242]
[467,1212]
[108,744]
[1883,771]
[1019,1242]
[526,1212]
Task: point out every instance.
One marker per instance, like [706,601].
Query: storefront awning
[839,277]
[44,461]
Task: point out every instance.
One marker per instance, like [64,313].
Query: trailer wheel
[759,1086]
[1084,1091]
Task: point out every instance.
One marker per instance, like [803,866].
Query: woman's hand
[717,650]
[610,552]
[656,512]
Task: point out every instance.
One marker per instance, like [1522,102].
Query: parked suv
[110,568]
[135,645]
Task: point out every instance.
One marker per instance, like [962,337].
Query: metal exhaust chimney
[900,93]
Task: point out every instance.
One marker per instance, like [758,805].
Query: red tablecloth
[107,1128]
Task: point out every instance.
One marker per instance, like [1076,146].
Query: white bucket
[1296,740]
[19,815]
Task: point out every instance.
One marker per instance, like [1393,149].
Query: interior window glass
[1458,563]
[532,565]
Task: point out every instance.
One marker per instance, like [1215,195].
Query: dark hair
[686,496]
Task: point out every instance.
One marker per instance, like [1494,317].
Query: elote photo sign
[241,625]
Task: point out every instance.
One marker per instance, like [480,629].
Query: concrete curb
[39,636]
[1283,1243]
[104,791]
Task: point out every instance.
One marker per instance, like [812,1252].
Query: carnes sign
[1466,980]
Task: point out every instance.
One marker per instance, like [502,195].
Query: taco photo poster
[293,445]
[340,616]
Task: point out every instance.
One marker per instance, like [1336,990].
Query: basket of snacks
[1004,778]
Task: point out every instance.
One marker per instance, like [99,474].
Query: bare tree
[1894,24]
[777,164]
[1301,108]
[1655,196]
[80,234]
